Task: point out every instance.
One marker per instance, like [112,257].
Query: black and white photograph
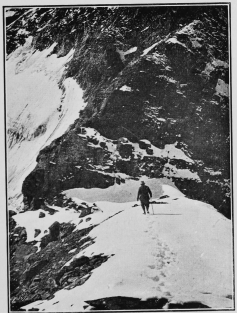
[118,155]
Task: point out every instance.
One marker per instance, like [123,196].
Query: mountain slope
[160,256]
[38,111]
[98,99]
[156,73]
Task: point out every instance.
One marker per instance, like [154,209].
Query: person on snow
[144,194]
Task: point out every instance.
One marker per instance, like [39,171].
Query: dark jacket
[144,193]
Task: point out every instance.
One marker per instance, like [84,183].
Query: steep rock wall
[159,73]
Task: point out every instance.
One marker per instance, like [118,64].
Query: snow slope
[117,193]
[38,111]
[182,253]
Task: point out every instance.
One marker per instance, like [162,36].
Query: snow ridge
[152,260]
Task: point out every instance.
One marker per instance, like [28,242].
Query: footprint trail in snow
[170,255]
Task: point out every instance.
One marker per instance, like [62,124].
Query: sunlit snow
[34,100]
[147,259]
[125,88]
[222,88]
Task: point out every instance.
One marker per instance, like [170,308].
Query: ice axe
[152,207]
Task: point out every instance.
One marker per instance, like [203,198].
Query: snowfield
[37,109]
[182,252]
[117,193]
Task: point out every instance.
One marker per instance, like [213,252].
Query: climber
[144,194]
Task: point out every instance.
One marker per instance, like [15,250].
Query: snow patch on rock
[9,13]
[222,88]
[126,88]
[190,28]
[172,171]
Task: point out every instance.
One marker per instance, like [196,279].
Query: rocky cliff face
[155,84]
[159,73]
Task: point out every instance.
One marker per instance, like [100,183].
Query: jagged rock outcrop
[67,163]
[47,271]
[91,160]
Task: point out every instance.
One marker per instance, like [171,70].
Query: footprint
[161,253]
[156,278]
[152,267]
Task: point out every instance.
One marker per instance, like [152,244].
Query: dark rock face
[149,151]
[54,230]
[85,212]
[216,191]
[41,215]
[144,144]
[35,269]
[176,91]
[32,188]
[125,150]
[64,165]
[37,276]
[11,213]
[37,232]
[128,303]
[88,164]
